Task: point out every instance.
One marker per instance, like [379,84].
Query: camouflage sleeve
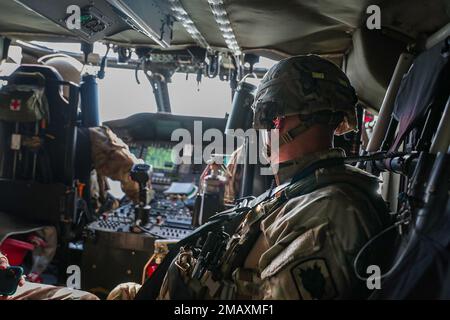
[124,291]
[177,285]
[164,293]
[313,241]
[39,291]
[112,158]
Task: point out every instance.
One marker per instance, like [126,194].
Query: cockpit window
[209,98]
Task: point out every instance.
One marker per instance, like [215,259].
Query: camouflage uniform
[301,242]
[304,248]
[124,291]
[111,158]
[37,291]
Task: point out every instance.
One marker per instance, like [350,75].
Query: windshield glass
[212,98]
[120,96]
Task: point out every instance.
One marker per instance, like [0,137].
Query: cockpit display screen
[160,157]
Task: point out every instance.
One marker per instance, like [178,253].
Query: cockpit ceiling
[282,27]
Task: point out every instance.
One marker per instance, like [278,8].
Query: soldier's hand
[3,265]
[124,291]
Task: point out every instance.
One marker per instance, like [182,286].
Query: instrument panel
[113,242]
[149,137]
[168,219]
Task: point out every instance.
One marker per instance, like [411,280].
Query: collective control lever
[141,173]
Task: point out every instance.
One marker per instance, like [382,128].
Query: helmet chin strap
[307,122]
[291,134]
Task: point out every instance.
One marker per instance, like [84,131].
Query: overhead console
[104,18]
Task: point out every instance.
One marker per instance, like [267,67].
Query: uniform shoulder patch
[313,280]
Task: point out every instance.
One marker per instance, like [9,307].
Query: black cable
[147,231]
[101,72]
[212,69]
[136,70]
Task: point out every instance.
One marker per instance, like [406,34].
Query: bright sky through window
[120,96]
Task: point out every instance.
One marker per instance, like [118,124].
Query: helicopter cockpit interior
[54,220]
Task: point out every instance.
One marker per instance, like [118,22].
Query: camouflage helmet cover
[303,85]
